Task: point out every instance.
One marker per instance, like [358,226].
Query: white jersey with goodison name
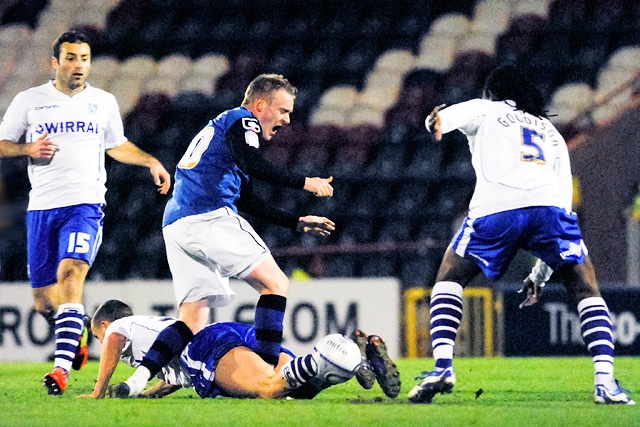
[140,333]
[520,160]
[83,126]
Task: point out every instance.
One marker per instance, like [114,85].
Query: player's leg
[558,241]
[445,309]
[42,263]
[485,244]
[596,326]
[242,373]
[273,285]
[194,283]
[71,236]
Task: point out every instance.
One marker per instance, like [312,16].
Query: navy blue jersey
[214,172]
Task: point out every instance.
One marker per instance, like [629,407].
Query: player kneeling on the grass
[219,360]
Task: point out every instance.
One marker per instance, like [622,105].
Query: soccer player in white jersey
[522,200]
[68,125]
[219,361]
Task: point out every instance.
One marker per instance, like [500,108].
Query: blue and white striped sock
[69,325]
[446,315]
[595,323]
[300,370]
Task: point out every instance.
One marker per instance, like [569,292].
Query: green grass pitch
[515,392]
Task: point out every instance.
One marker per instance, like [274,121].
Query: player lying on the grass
[219,361]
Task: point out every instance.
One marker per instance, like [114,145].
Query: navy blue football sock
[268,322]
[170,342]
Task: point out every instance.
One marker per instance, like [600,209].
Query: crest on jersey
[93,108]
[252,127]
[251,124]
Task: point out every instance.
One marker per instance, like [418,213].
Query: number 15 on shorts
[79,243]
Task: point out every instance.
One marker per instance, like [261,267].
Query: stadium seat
[395,61]
[527,7]
[625,58]
[103,70]
[174,67]
[569,101]
[490,16]
[453,24]
[436,52]
[378,265]
[339,97]
[139,68]
[478,41]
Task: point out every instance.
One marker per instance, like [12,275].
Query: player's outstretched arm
[316,225]
[110,355]
[131,154]
[433,122]
[321,187]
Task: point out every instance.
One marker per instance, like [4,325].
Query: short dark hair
[264,85]
[69,37]
[510,83]
[111,310]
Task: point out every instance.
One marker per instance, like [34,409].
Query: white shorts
[205,250]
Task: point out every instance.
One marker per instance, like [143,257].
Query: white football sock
[138,381]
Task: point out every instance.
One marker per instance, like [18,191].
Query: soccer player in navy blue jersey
[68,126]
[522,200]
[207,241]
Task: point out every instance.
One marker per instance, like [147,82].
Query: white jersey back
[83,126]
[520,160]
[140,333]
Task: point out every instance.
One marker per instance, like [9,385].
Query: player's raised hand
[161,177]
[42,148]
[321,187]
[433,122]
[533,292]
[316,225]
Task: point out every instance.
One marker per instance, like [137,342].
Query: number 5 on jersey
[198,146]
[533,139]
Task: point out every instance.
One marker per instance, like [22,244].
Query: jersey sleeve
[251,204]
[114,133]
[243,142]
[120,326]
[15,122]
[466,117]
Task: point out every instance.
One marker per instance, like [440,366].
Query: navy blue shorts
[209,346]
[492,241]
[55,234]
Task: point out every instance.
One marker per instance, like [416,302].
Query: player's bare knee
[270,390]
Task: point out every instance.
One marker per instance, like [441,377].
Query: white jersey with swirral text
[83,126]
[520,160]
[140,332]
